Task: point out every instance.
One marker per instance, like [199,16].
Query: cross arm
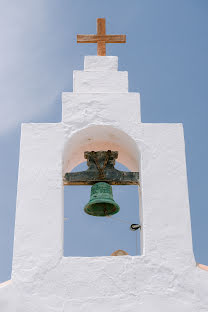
[105,38]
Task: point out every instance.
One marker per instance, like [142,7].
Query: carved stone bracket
[101,169]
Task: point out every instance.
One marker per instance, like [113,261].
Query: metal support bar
[101,169]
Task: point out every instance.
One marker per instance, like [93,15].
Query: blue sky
[165,55]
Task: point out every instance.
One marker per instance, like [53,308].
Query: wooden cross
[101,38]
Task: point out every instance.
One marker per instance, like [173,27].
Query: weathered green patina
[101,202]
[101,169]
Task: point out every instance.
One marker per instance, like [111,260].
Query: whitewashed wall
[101,114]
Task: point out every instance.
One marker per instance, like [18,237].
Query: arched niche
[95,138]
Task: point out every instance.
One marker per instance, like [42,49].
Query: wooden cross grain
[101,38]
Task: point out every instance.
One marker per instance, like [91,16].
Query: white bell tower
[101,114]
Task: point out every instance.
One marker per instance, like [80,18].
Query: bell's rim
[99,201]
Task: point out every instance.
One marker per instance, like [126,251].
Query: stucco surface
[100,81]
[112,109]
[165,277]
[97,63]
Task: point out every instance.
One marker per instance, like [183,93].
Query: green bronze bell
[101,202]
